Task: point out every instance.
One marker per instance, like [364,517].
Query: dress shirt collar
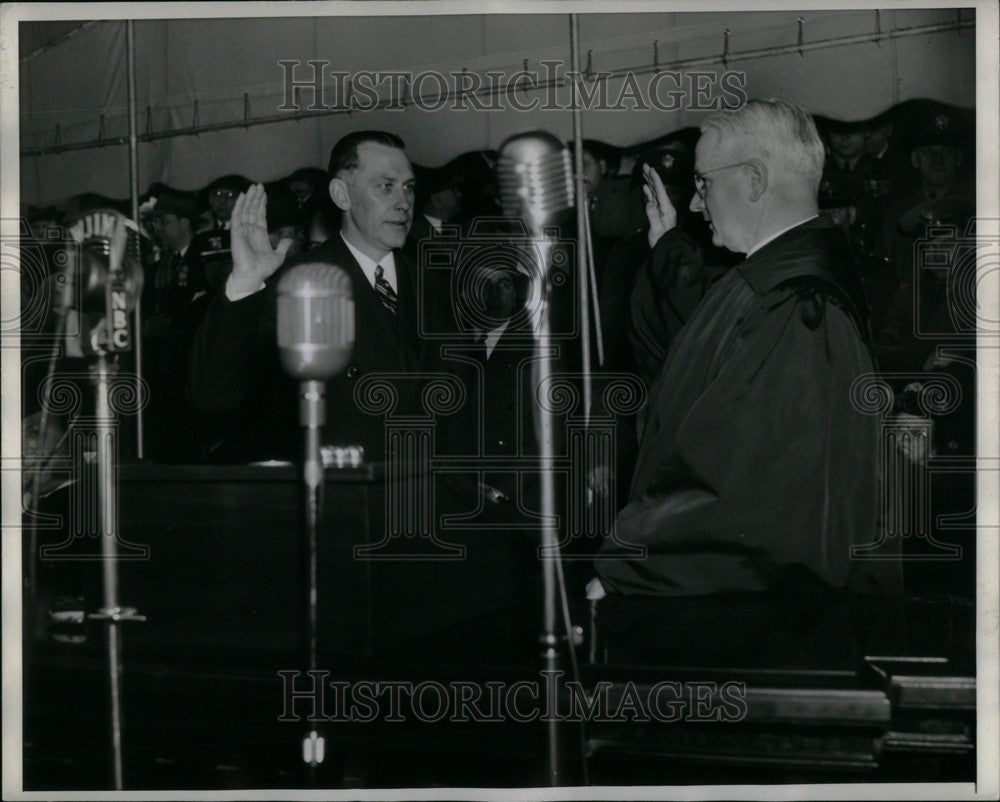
[368,265]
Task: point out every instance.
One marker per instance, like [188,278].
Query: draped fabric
[232,66]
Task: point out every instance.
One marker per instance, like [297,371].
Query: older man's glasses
[701,185]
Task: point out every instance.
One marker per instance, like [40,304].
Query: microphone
[315,340]
[536,184]
[315,330]
[106,277]
[535,179]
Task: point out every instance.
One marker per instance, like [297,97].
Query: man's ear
[340,194]
[914,160]
[757,171]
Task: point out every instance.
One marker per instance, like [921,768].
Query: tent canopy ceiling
[232,66]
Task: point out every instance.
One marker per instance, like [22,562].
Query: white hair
[781,133]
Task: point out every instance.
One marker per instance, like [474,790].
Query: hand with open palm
[659,210]
[254,260]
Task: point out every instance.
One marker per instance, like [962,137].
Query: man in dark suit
[234,362]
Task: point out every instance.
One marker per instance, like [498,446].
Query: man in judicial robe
[756,470]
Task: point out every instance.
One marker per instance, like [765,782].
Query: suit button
[353,371]
[501,443]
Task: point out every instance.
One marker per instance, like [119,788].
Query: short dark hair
[602,151]
[344,155]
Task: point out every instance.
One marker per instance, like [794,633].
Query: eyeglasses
[701,185]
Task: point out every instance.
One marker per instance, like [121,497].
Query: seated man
[755,469]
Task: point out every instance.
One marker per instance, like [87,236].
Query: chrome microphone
[315,339]
[104,278]
[315,332]
[535,179]
[315,321]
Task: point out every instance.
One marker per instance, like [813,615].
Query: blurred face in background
[301,189]
[222,202]
[876,138]
[499,294]
[937,164]
[172,232]
[847,144]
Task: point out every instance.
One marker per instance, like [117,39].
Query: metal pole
[581,219]
[549,549]
[133,174]
[598,326]
[107,504]
[312,406]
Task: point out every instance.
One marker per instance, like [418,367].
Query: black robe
[755,470]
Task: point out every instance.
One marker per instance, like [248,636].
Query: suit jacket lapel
[376,341]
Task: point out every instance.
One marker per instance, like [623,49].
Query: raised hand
[659,210]
[254,260]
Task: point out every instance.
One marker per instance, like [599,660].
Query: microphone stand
[112,611]
[312,413]
[549,549]
[315,316]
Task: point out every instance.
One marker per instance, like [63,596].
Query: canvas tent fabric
[231,67]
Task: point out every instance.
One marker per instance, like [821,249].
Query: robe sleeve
[669,286]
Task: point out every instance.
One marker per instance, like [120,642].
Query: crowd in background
[892,184]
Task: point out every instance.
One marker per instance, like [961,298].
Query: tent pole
[133,175]
[581,218]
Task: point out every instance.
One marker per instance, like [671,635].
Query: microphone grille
[315,318]
[535,177]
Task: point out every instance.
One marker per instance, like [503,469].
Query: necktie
[386,294]
[481,351]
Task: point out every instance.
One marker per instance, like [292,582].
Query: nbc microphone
[105,277]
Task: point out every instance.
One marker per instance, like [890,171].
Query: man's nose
[697,203]
[404,200]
